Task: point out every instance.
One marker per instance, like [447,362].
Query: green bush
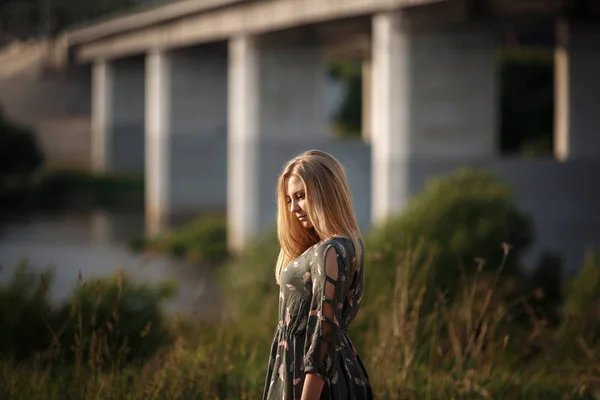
[581,307]
[20,156]
[25,183]
[348,117]
[202,240]
[60,187]
[465,221]
[469,348]
[248,281]
[527,100]
[23,314]
[106,321]
[113,320]
[20,153]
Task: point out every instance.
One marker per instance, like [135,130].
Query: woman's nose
[293,206]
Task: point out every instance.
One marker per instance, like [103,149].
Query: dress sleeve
[323,334]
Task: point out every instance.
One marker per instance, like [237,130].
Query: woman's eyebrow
[296,192]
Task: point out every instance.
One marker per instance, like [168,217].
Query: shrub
[105,321]
[348,116]
[202,240]
[581,307]
[60,187]
[24,305]
[20,153]
[526,100]
[249,284]
[113,320]
[465,221]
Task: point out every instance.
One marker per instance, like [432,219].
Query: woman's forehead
[294,184]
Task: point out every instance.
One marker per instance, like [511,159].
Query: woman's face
[296,199]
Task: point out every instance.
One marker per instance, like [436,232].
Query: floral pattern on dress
[311,334]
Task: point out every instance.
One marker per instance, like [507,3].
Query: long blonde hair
[328,205]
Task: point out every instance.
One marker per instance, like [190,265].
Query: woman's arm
[313,385]
[323,328]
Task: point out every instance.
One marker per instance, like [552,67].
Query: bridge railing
[25,19]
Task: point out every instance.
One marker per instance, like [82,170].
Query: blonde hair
[328,206]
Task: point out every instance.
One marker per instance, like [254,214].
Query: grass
[468,348]
[491,334]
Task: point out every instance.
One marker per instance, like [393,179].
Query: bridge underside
[217,117]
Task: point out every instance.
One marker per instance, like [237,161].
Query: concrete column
[242,146]
[158,143]
[366,100]
[434,101]
[199,130]
[186,107]
[577,91]
[277,108]
[128,111]
[118,116]
[102,97]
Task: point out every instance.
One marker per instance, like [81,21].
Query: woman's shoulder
[342,245]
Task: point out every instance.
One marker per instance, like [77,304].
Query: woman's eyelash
[299,196]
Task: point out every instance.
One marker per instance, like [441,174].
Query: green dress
[312,335]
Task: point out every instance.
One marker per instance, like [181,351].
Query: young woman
[320,273]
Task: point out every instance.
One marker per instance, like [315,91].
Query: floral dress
[312,332]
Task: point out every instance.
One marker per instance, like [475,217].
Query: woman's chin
[306,224]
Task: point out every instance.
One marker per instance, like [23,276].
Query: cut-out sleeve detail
[323,333]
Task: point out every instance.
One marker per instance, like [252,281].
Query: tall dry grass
[466,347]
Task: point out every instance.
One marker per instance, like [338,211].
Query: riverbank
[56,189]
[469,350]
[437,322]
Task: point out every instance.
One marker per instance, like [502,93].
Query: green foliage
[469,348]
[466,219]
[547,285]
[248,281]
[23,303]
[62,187]
[105,322]
[24,182]
[348,118]
[113,320]
[202,240]
[20,156]
[527,100]
[20,153]
[583,289]
[582,302]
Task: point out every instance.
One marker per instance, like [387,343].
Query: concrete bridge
[210,97]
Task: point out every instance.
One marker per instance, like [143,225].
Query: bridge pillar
[434,101]
[276,107]
[102,95]
[186,111]
[577,91]
[158,143]
[118,115]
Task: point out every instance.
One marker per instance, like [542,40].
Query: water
[93,244]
